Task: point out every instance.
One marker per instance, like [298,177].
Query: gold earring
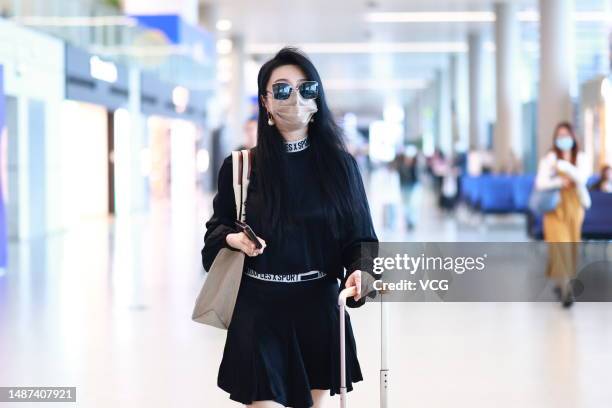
[270,120]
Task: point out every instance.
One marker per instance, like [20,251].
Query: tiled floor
[107,308]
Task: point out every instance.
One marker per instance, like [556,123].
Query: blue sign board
[179,32]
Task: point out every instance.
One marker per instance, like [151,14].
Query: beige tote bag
[215,304]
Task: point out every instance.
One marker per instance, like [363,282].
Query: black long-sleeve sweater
[307,245]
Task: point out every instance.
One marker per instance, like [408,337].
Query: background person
[406,163]
[250,134]
[604,184]
[566,168]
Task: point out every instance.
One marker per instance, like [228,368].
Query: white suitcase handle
[344,294]
[384,369]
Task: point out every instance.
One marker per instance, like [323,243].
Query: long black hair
[329,154]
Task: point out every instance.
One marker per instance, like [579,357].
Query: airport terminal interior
[116,117]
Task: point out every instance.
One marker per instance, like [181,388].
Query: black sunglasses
[308,90]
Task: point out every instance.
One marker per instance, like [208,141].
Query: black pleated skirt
[284,340]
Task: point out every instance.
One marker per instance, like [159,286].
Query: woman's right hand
[239,240]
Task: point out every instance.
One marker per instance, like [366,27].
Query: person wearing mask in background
[564,168]
[604,184]
[250,134]
[307,205]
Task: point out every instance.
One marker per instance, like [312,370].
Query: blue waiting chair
[496,195]
[598,219]
[521,191]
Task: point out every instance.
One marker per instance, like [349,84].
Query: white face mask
[564,143]
[293,113]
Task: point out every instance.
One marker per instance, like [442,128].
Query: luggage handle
[344,294]
[384,370]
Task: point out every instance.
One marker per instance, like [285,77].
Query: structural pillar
[554,102]
[239,99]
[508,124]
[454,97]
[138,142]
[477,119]
[444,111]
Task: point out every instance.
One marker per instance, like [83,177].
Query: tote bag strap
[241,167]
[237,180]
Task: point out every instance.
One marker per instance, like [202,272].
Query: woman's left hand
[354,279]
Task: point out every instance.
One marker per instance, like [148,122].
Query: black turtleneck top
[309,244]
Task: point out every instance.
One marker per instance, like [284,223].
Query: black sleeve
[221,222]
[359,243]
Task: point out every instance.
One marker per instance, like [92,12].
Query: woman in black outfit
[307,205]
